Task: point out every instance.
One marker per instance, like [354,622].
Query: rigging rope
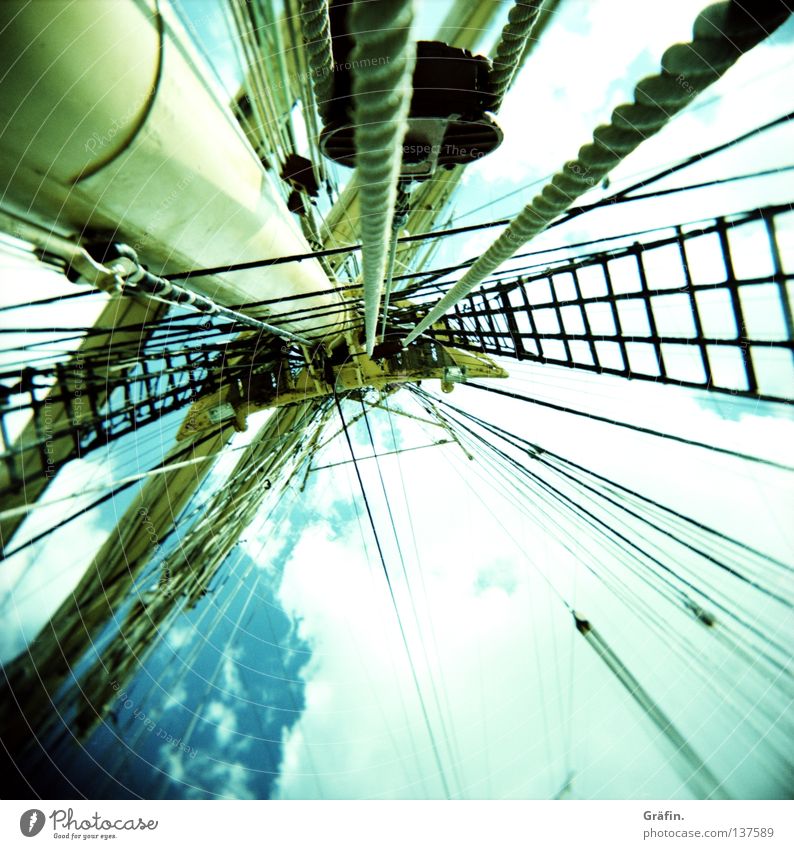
[139,279]
[382,558]
[382,93]
[206,437]
[420,567]
[698,776]
[693,442]
[317,38]
[608,528]
[721,34]
[44,301]
[115,485]
[513,41]
[417,621]
[697,158]
[536,452]
[507,468]
[399,221]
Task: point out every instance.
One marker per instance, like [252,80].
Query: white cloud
[492,639]
[224,718]
[178,636]
[177,696]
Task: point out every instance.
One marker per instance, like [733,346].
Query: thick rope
[133,277]
[399,220]
[383,62]
[317,39]
[512,43]
[722,33]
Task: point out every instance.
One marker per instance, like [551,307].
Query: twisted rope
[510,49]
[721,34]
[383,62]
[135,277]
[317,38]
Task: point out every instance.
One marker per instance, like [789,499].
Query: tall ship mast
[335,464]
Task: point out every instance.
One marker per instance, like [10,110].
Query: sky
[519,704]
